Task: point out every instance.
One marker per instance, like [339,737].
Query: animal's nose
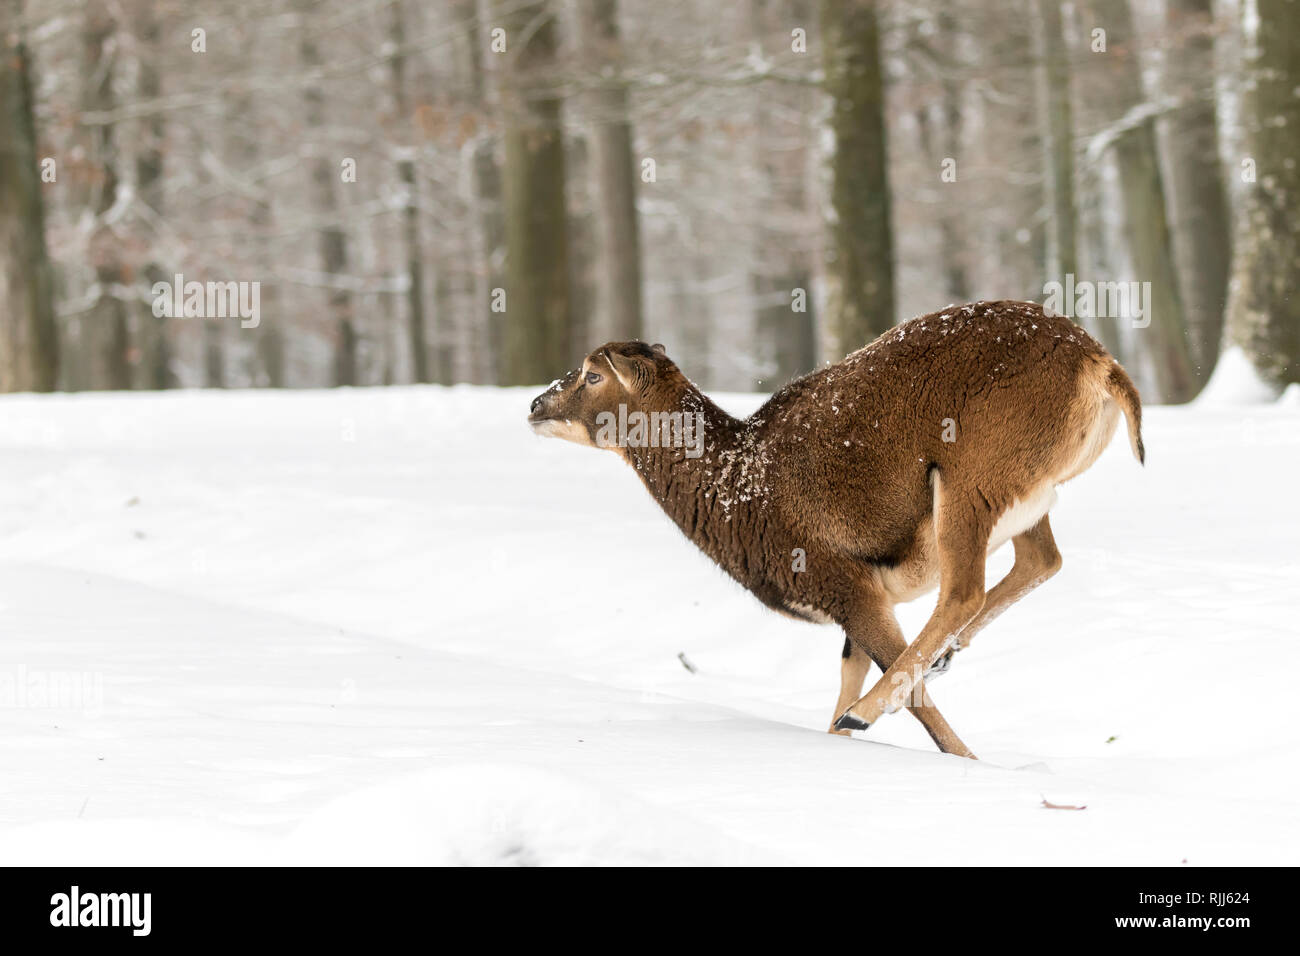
[536,406]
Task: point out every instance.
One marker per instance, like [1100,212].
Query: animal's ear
[658,347]
[632,371]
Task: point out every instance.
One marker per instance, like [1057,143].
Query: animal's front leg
[899,685]
[962,531]
[876,628]
[854,664]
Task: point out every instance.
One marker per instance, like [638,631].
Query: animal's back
[997,394]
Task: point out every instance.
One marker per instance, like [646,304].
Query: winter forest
[481,191]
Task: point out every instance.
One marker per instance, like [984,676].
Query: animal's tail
[1124,392]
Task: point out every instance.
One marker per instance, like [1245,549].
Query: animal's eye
[593,378]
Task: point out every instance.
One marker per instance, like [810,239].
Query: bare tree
[229,160]
[1263,311]
[29,341]
[941,140]
[1058,139]
[1132,136]
[538,308]
[417,340]
[1198,204]
[332,238]
[488,226]
[781,274]
[860,262]
[619,309]
[106,323]
[155,344]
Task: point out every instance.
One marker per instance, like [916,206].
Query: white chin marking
[560,428]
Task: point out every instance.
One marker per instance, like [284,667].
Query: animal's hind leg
[879,631]
[1036,560]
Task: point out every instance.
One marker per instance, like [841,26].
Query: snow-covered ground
[393,626]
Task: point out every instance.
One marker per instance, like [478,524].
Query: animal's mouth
[538,412]
[546,427]
[565,428]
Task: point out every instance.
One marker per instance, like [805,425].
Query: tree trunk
[1264,307]
[444,355]
[214,353]
[1058,141]
[267,363]
[1119,90]
[689,302]
[1152,251]
[619,309]
[416,339]
[29,340]
[584,254]
[538,309]
[269,348]
[953,254]
[860,261]
[105,327]
[155,345]
[490,272]
[1099,255]
[951,248]
[270,336]
[333,241]
[786,341]
[1095,240]
[1021,242]
[1198,202]
[486,331]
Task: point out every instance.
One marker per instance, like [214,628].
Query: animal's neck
[718,497]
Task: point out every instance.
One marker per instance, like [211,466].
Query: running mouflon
[871,481]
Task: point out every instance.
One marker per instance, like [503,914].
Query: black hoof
[848,721]
[941,666]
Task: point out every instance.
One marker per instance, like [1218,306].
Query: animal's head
[637,376]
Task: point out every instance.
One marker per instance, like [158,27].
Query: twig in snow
[1047,805]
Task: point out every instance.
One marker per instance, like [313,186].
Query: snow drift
[383,626]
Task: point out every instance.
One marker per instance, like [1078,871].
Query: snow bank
[1235,382]
[344,627]
[508,815]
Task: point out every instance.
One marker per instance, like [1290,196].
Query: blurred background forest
[482,190]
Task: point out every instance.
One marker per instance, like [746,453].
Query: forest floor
[394,626]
